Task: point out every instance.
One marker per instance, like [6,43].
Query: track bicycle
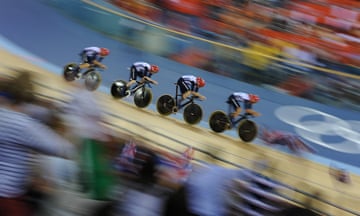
[167,104]
[141,92]
[247,129]
[91,76]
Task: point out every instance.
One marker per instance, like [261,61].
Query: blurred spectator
[204,193]
[193,57]
[255,194]
[141,195]
[352,37]
[148,175]
[20,137]
[216,190]
[302,54]
[298,85]
[257,59]
[84,114]
[339,174]
[85,117]
[292,141]
[279,22]
[297,211]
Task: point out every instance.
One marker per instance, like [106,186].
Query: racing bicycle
[91,76]
[247,129]
[141,92]
[167,104]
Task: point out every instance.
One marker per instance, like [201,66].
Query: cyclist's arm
[150,80]
[252,112]
[236,112]
[99,64]
[249,110]
[197,94]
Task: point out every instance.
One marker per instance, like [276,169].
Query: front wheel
[192,113]
[69,72]
[165,104]
[247,130]
[142,97]
[92,80]
[118,88]
[219,121]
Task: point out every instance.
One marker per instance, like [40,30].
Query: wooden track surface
[170,133]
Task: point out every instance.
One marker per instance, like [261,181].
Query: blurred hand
[256,114]
[201,97]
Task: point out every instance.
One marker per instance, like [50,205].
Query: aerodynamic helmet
[254,98]
[104,51]
[200,82]
[154,68]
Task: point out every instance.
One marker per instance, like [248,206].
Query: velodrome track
[171,134]
[55,38]
[160,131]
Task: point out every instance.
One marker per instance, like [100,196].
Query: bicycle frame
[179,96]
[238,118]
[140,85]
[92,67]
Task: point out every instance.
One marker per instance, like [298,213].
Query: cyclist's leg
[234,108]
[130,89]
[87,61]
[184,89]
[132,77]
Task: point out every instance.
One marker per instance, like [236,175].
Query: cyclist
[236,98]
[92,56]
[141,70]
[189,85]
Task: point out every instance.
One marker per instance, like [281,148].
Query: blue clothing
[187,83]
[207,190]
[140,69]
[19,136]
[90,54]
[236,98]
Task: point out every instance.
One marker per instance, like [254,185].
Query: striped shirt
[140,69]
[188,82]
[20,135]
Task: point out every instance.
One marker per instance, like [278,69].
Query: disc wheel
[219,121]
[247,130]
[165,104]
[118,89]
[69,72]
[192,114]
[142,97]
[92,80]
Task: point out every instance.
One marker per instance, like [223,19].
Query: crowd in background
[297,42]
[60,158]
[330,27]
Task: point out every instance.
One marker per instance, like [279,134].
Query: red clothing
[14,207]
